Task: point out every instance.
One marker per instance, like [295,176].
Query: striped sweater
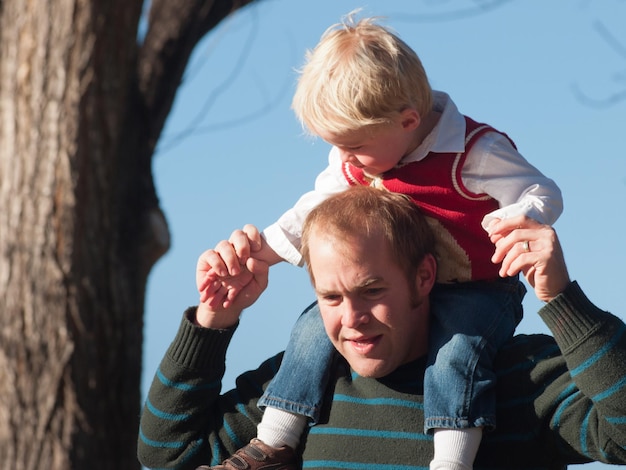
[560,400]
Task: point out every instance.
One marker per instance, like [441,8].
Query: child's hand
[220,291]
[498,230]
[222,272]
[223,299]
[230,255]
[491,231]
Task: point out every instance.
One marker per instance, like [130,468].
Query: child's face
[378,149]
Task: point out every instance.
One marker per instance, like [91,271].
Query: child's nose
[347,157]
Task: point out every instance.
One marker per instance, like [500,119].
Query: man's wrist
[570,316]
[204,318]
[199,348]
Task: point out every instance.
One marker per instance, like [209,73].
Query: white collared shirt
[492,166]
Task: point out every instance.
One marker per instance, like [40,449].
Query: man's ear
[410,119]
[426,275]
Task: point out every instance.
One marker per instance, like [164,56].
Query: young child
[365,92]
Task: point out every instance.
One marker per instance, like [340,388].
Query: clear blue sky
[232,152]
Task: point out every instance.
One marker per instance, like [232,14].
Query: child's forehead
[353,137]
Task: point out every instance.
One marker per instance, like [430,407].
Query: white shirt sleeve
[284,235]
[494,167]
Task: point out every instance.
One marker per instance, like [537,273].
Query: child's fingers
[212,294]
[254,237]
[241,248]
[209,284]
[209,277]
[224,259]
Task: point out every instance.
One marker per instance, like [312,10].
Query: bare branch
[174,29]
[476,7]
[610,39]
[610,98]
[269,99]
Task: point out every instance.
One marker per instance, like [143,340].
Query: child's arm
[493,166]
[284,234]
[224,276]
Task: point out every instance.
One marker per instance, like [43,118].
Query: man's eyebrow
[369,282]
[363,285]
[322,292]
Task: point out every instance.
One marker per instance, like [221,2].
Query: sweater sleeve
[185,421]
[590,413]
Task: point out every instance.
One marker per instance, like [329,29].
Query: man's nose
[354,314]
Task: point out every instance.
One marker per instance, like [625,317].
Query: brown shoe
[258,456]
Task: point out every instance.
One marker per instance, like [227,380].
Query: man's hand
[526,246]
[224,274]
[228,256]
[223,299]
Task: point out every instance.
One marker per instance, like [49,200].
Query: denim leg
[469,323]
[301,381]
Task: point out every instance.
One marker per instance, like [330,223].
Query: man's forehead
[333,254]
[331,239]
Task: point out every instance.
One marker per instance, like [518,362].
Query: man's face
[373,315]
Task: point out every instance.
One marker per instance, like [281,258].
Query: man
[372,267]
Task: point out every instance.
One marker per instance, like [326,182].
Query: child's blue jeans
[469,323]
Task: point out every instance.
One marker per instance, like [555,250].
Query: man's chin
[374,369]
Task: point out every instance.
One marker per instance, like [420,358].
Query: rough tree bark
[82,105]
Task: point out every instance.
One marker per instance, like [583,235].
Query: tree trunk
[81,108]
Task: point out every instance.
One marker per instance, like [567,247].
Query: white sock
[455,449]
[281,428]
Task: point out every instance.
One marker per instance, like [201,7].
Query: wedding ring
[526,246]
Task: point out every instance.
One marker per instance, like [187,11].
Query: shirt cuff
[279,242]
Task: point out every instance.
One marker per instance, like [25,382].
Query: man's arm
[185,388]
[585,409]
[185,421]
[184,414]
[589,417]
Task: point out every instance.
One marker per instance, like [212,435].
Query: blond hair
[360,74]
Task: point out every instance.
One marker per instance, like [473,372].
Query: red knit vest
[463,248]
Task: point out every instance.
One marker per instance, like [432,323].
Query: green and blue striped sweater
[561,400]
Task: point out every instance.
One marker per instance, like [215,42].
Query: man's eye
[374,291]
[332,299]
